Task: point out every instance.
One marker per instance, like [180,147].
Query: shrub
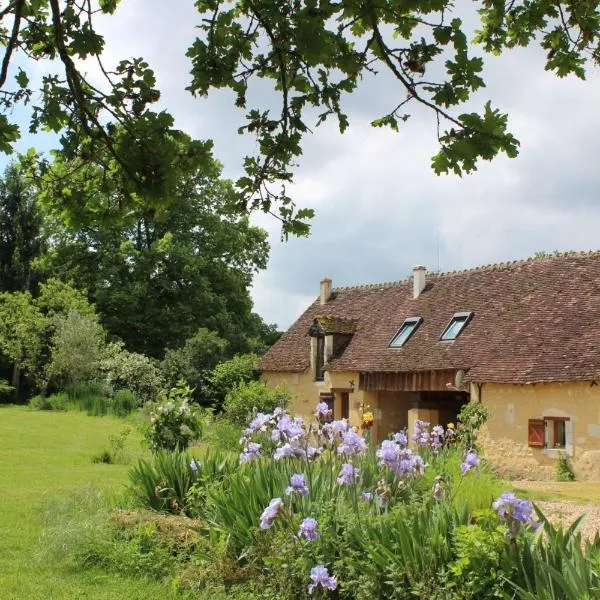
[564,471]
[174,424]
[131,371]
[472,417]
[123,403]
[200,353]
[76,348]
[58,401]
[226,375]
[247,396]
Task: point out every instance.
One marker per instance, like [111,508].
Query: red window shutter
[537,433]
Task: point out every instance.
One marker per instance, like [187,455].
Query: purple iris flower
[259,423]
[367,496]
[323,410]
[470,461]
[250,452]
[401,439]
[308,529]
[289,449]
[269,514]
[352,443]
[348,475]
[320,577]
[291,429]
[297,485]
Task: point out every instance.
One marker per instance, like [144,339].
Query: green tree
[227,375]
[157,276]
[314,53]
[200,353]
[76,348]
[22,329]
[21,240]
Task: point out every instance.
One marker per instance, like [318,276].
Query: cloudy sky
[380,209]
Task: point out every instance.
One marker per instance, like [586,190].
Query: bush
[564,471]
[123,403]
[247,396]
[226,375]
[195,359]
[76,348]
[131,371]
[174,424]
[54,402]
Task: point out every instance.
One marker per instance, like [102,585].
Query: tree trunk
[16,380]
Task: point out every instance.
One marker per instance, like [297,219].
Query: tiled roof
[534,320]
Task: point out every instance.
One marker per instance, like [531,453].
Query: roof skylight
[456,325]
[409,326]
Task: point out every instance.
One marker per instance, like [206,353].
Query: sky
[380,209]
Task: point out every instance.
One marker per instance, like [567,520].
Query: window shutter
[537,433]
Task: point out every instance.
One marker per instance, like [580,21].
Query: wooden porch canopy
[414,381]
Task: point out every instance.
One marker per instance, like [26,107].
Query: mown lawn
[44,457]
[580,492]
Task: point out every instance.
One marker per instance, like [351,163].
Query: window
[345,405]
[320,358]
[403,334]
[554,434]
[456,325]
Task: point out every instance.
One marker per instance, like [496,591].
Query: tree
[21,240]
[200,353]
[76,350]
[22,327]
[157,275]
[315,53]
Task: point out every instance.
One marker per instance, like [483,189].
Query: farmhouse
[523,338]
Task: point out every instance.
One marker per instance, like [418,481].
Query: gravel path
[566,511]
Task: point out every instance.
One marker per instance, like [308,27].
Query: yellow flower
[367,419]
[450,426]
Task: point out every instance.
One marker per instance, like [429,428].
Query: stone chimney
[418,280]
[325,290]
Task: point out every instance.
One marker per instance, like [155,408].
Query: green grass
[580,492]
[45,457]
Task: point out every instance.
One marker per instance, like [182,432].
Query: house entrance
[399,410]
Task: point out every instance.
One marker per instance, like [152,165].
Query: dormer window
[456,325]
[403,334]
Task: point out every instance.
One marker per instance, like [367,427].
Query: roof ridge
[500,266]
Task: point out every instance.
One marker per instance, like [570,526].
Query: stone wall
[505,437]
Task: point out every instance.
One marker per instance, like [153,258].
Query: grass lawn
[46,456]
[580,492]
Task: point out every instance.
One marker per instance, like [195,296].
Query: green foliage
[76,348]
[162,483]
[58,401]
[313,57]
[174,424]
[131,371]
[57,298]
[123,403]
[22,326]
[20,232]
[115,452]
[158,275]
[247,396]
[226,375]
[200,353]
[219,433]
[472,417]
[564,470]
[556,565]
[481,567]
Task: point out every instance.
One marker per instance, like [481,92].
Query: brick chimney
[418,280]
[325,290]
